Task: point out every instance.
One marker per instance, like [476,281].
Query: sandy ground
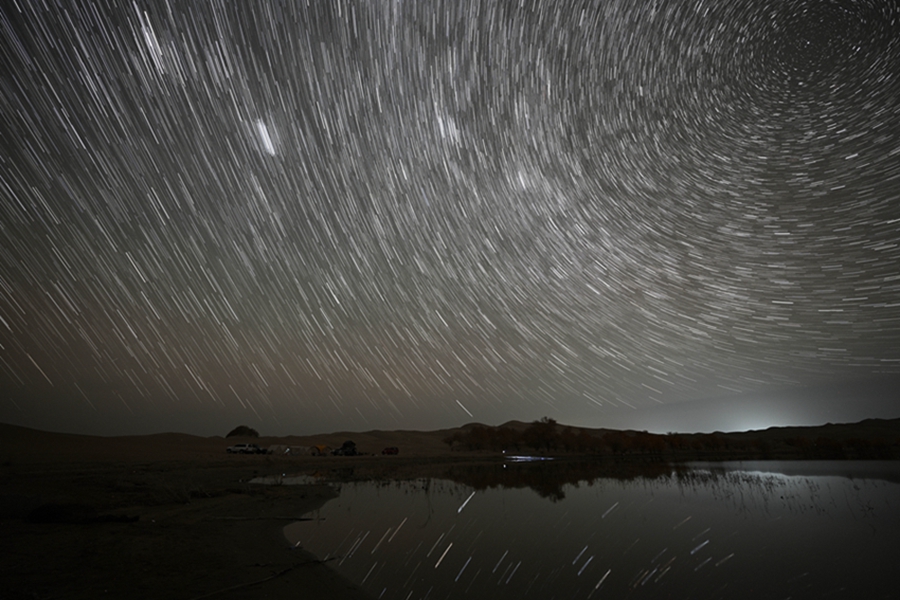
[158,531]
[171,516]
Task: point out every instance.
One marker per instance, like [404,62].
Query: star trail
[400,214]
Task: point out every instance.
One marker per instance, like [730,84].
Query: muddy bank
[179,531]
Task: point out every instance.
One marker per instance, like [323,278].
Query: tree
[243,431]
[617,441]
[454,438]
[541,434]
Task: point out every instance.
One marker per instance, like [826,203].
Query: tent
[319,450]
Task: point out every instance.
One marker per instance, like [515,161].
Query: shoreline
[196,529]
[136,532]
[174,516]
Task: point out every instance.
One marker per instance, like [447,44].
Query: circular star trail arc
[380,210]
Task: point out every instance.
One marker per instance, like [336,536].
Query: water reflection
[550,479]
[688,533]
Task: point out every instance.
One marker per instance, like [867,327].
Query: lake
[570,529]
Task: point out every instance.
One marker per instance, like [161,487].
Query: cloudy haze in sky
[401,214]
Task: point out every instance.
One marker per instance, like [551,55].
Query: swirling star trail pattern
[394,213]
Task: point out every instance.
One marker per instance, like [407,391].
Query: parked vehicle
[391,450]
[245,449]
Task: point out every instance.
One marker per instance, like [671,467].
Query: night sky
[314,216]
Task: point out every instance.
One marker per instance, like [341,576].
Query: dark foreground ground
[174,516]
[170,516]
[166,530]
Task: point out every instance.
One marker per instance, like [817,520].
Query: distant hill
[868,439]
[871,438]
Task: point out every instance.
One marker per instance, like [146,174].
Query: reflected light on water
[694,533]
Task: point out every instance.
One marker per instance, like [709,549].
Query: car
[391,450]
[245,449]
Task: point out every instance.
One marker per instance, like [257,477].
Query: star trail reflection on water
[693,533]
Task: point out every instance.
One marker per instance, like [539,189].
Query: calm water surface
[738,530]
